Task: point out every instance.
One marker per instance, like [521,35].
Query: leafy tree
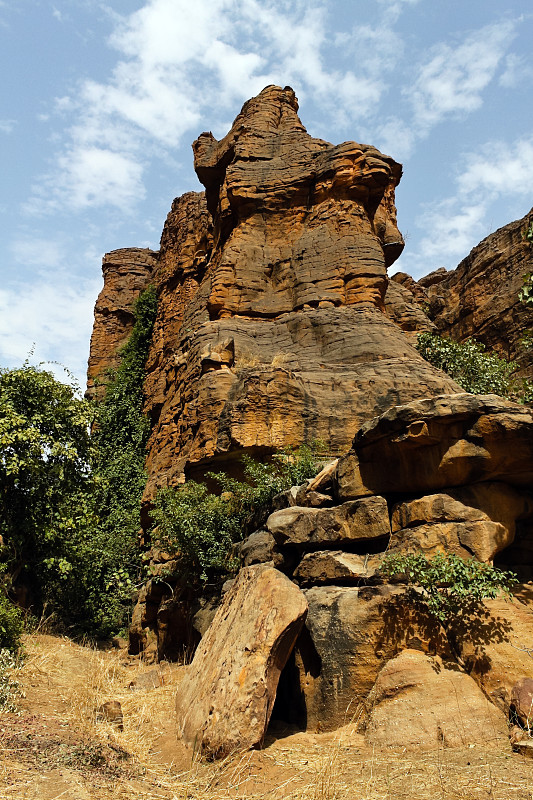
[108,556]
[45,477]
[468,363]
[203,527]
[70,501]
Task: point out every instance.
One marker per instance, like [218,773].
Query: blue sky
[101,101]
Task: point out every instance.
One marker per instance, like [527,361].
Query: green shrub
[468,363]
[11,625]
[69,500]
[96,593]
[45,476]
[203,527]
[450,586]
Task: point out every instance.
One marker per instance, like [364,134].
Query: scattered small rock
[111,711]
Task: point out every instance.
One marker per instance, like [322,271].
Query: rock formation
[271,286]
[277,325]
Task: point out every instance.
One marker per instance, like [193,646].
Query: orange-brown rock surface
[421,703]
[126,274]
[271,328]
[225,701]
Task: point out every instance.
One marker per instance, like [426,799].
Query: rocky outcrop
[357,622]
[277,325]
[126,274]
[271,289]
[446,441]
[225,701]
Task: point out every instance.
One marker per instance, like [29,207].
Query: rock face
[271,286]
[356,622]
[226,699]
[452,440]
[421,703]
[277,325]
[350,634]
[126,274]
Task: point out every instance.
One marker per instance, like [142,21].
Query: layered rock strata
[381,497]
[126,274]
[271,289]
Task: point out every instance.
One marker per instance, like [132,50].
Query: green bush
[203,527]
[468,363]
[70,501]
[95,597]
[450,586]
[11,625]
[45,476]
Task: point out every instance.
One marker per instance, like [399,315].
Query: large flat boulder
[446,441]
[225,701]
[355,521]
[421,703]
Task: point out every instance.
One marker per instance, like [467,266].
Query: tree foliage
[45,476]
[203,527]
[474,368]
[70,500]
[109,557]
[450,586]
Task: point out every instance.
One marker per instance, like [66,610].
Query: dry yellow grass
[65,683]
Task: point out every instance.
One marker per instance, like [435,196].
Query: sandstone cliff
[271,288]
[277,325]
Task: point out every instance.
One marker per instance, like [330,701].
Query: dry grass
[65,683]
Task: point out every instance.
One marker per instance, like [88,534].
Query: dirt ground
[58,747]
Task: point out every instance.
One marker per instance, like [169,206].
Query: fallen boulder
[226,698]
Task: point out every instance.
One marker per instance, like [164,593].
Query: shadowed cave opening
[518,557]
[303,666]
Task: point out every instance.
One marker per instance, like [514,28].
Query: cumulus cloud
[54,316]
[178,61]
[451,82]
[456,224]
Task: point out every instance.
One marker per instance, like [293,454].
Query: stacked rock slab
[450,474]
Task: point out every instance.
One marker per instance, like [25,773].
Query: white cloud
[395,137]
[7,125]
[177,61]
[453,79]
[456,224]
[498,168]
[38,252]
[54,316]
